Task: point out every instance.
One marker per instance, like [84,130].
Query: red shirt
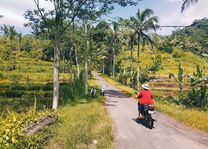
[145,97]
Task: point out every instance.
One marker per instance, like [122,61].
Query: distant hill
[193,38]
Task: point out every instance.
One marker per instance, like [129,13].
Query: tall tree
[57,20]
[131,44]
[116,44]
[187,3]
[20,40]
[9,32]
[143,22]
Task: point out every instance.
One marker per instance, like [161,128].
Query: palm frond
[151,23]
[148,39]
[146,14]
[187,3]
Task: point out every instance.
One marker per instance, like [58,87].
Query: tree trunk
[131,63]
[86,59]
[75,50]
[111,65]
[56,71]
[138,64]
[77,63]
[70,66]
[20,44]
[114,59]
[103,65]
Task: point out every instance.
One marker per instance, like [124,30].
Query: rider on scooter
[145,97]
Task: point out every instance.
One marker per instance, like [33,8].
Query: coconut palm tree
[142,23]
[187,3]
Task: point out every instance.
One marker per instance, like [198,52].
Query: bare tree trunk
[20,42]
[56,71]
[138,64]
[111,65]
[70,66]
[103,65]
[77,63]
[86,58]
[64,63]
[75,49]
[131,63]
[114,59]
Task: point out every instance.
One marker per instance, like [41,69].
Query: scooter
[149,110]
[102,90]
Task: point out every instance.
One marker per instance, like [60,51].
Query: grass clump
[189,116]
[81,123]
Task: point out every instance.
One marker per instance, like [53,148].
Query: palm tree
[143,22]
[187,3]
[116,44]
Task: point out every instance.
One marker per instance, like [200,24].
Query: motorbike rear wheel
[150,122]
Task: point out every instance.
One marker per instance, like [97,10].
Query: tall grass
[81,124]
[188,116]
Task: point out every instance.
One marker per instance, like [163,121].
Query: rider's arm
[139,95]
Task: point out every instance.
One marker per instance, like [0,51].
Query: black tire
[150,122]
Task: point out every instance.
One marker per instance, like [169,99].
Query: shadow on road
[115,94]
[108,104]
[141,122]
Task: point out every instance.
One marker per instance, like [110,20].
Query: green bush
[198,96]
[14,79]
[157,62]
[168,49]
[1,76]
[12,133]
[11,66]
[177,53]
[69,92]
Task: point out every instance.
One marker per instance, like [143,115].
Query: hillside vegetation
[48,72]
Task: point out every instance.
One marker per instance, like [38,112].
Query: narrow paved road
[130,134]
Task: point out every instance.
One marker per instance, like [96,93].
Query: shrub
[14,80]
[11,66]
[198,96]
[69,92]
[1,76]
[177,53]
[167,49]
[157,62]
[11,132]
[144,75]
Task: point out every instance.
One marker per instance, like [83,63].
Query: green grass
[29,80]
[189,116]
[188,60]
[81,123]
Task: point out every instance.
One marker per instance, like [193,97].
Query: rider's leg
[140,107]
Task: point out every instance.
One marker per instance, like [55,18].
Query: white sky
[167,10]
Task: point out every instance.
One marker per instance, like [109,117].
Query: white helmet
[145,86]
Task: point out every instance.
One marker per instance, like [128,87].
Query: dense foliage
[192,38]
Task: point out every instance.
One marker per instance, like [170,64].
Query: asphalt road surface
[129,133]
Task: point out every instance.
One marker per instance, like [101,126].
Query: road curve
[131,134]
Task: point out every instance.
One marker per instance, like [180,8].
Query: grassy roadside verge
[188,116]
[81,123]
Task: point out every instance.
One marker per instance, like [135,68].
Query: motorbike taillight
[151,108]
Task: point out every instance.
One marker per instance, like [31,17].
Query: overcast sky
[168,12]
